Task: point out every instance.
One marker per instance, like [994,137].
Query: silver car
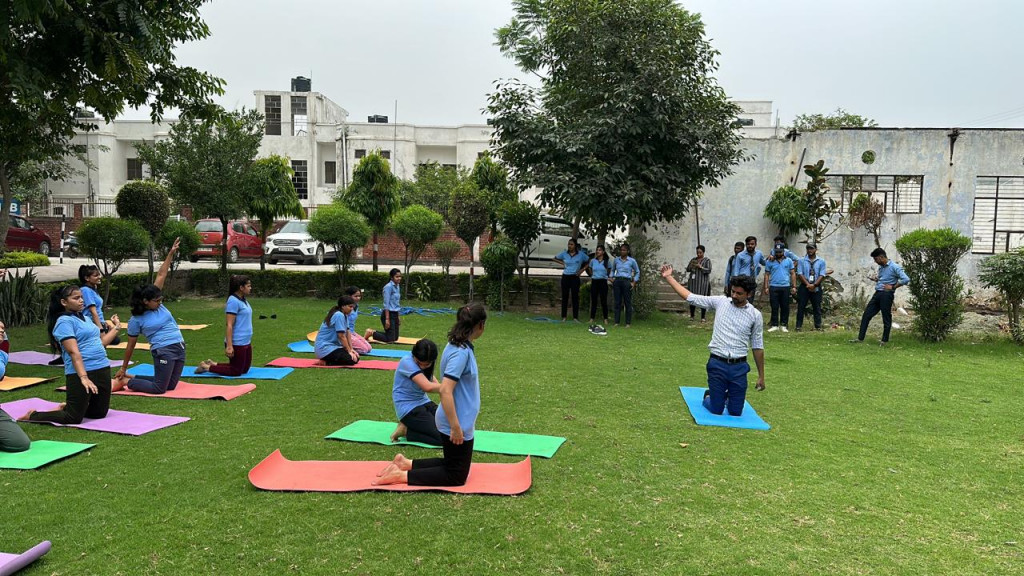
[555,234]
[293,242]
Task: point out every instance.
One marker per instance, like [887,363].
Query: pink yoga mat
[33,358]
[186,391]
[314,363]
[278,473]
[11,563]
[117,421]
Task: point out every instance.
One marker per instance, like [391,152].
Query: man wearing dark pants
[737,325]
[780,283]
[810,274]
[890,277]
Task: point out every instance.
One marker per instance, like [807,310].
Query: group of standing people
[623,272]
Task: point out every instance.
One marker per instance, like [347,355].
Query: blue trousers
[623,291]
[168,363]
[728,386]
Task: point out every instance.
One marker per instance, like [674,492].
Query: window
[301,179]
[238,228]
[557,227]
[300,123]
[899,194]
[134,169]
[330,172]
[998,214]
[450,166]
[360,153]
[272,112]
[386,154]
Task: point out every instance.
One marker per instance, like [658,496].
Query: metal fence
[63,207]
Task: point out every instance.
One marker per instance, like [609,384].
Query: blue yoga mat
[254,373]
[305,346]
[694,398]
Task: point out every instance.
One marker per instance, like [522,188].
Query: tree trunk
[375,251]
[470,246]
[8,195]
[149,254]
[224,247]
[602,235]
[576,228]
[407,266]
[263,251]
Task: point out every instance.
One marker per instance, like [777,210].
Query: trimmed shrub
[146,202]
[499,260]
[23,260]
[341,227]
[111,242]
[930,258]
[1005,272]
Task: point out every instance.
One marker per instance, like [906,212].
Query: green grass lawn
[899,460]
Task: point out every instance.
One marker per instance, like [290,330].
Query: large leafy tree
[492,179]
[627,124]
[270,193]
[147,203]
[339,226]
[58,56]
[834,121]
[206,163]
[374,194]
[432,186]
[520,222]
[416,227]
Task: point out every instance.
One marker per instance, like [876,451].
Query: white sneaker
[784,329]
[773,328]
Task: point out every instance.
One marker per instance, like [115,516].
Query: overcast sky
[901,62]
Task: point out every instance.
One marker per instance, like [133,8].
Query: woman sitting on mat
[238,334]
[456,418]
[414,377]
[333,345]
[391,309]
[154,321]
[86,365]
[12,437]
[89,276]
[359,344]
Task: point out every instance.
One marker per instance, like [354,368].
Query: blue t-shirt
[811,270]
[405,393]
[3,364]
[627,269]
[598,269]
[327,338]
[459,364]
[779,271]
[158,326]
[94,356]
[351,318]
[392,297]
[242,334]
[573,263]
[92,298]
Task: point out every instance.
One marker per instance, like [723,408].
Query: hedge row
[13,259]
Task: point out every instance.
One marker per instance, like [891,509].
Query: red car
[243,241]
[22,235]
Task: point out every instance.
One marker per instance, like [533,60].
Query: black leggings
[599,291]
[80,403]
[421,425]
[389,334]
[571,291]
[451,470]
[339,357]
[693,309]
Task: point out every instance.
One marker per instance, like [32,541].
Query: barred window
[134,169]
[898,194]
[301,179]
[272,114]
[998,219]
[330,172]
[300,119]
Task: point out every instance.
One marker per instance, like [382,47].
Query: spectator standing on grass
[810,274]
[574,263]
[890,277]
[780,283]
[598,269]
[699,281]
[749,261]
[736,249]
[626,274]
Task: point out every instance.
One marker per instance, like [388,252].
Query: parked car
[293,242]
[23,235]
[243,241]
[555,234]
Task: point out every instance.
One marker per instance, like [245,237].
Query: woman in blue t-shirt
[86,365]
[359,343]
[574,264]
[333,345]
[238,334]
[151,319]
[90,278]
[598,269]
[456,417]
[414,377]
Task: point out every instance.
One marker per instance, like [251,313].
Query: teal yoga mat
[694,398]
[41,453]
[483,441]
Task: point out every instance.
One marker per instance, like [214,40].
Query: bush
[22,300]
[111,242]
[446,251]
[171,230]
[23,260]
[1005,272]
[416,226]
[930,258]
[645,251]
[146,202]
[789,211]
[341,227]
[499,260]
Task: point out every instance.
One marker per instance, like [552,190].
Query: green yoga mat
[41,453]
[483,441]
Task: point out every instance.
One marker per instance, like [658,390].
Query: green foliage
[172,229]
[111,242]
[868,214]
[834,121]
[520,222]
[1005,273]
[145,202]
[468,216]
[270,193]
[446,251]
[341,227]
[824,211]
[628,123]
[930,258]
[374,194]
[492,179]
[868,157]
[788,210]
[19,259]
[645,251]
[433,186]
[416,227]
[22,300]
[500,260]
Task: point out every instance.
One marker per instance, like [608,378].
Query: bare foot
[394,477]
[118,384]
[400,431]
[387,470]
[368,334]
[27,416]
[402,463]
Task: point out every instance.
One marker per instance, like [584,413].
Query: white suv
[293,242]
[555,234]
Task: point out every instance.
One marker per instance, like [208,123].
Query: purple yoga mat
[34,358]
[11,563]
[117,421]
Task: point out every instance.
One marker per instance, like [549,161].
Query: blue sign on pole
[15,206]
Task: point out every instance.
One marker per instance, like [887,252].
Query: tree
[189,241]
[1005,273]
[834,121]
[788,210]
[416,227]
[205,163]
[341,227]
[145,202]
[432,186]
[468,217]
[520,223]
[110,242]
[823,209]
[101,54]
[867,213]
[270,193]
[930,258]
[628,124]
[499,260]
[374,194]
[492,179]
[446,251]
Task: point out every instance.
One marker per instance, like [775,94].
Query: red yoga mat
[186,391]
[278,473]
[314,363]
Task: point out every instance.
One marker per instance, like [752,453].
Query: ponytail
[84,271]
[466,320]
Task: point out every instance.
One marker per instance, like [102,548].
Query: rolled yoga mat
[254,373]
[186,391]
[307,348]
[314,363]
[11,563]
[748,419]
[483,441]
[14,382]
[278,473]
[33,358]
[116,421]
[41,453]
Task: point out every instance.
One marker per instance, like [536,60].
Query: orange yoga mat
[402,341]
[278,473]
[186,391]
[14,382]
[123,345]
[286,362]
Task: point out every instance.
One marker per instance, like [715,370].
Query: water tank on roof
[377,119]
[301,84]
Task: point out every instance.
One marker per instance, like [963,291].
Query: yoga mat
[254,373]
[186,391]
[180,326]
[483,441]
[402,341]
[14,382]
[278,473]
[41,453]
[694,398]
[33,358]
[11,563]
[314,363]
[117,421]
[124,345]
[375,353]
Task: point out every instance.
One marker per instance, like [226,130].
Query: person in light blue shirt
[90,278]
[12,437]
[456,417]
[333,345]
[780,242]
[359,343]
[237,332]
[599,268]
[150,318]
[730,266]
[391,309]
[810,273]
[780,283]
[574,264]
[625,276]
[750,261]
[416,412]
[890,277]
